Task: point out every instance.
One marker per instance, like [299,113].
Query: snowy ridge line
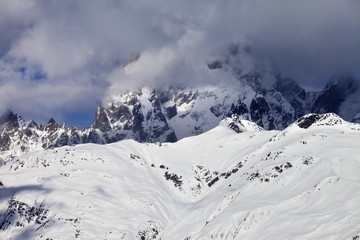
[299,183]
[256,93]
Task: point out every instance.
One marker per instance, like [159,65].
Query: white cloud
[79,46]
[57,54]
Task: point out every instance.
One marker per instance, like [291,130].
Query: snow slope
[167,113]
[299,183]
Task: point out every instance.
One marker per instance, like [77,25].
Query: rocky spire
[9,120]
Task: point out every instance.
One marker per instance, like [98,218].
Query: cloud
[62,56]
[40,100]
[307,40]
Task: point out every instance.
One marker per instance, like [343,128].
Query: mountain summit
[254,92]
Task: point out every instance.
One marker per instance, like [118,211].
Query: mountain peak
[7,116]
[239,125]
[101,120]
[10,119]
[51,121]
[314,119]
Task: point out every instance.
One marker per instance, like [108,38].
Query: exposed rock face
[313,119]
[259,112]
[101,120]
[9,124]
[9,121]
[308,120]
[340,96]
[294,94]
[167,114]
[240,125]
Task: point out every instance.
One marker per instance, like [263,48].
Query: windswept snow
[299,183]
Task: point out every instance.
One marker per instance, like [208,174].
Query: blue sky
[57,57]
[79,119]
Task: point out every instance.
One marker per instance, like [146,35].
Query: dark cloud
[61,56]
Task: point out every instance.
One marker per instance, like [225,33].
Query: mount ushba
[255,92]
[259,174]
[299,183]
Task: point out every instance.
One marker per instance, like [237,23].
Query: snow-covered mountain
[236,181]
[256,92]
[342,96]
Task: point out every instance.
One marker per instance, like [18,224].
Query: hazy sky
[59,58]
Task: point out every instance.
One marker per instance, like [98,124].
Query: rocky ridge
[166,114]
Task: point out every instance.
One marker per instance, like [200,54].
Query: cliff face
[166,114]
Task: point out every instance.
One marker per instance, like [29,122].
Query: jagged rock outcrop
[294,94]
[341,96]
[313,119]
[166,114]
[240,125]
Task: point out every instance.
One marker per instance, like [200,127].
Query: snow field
[291,184]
